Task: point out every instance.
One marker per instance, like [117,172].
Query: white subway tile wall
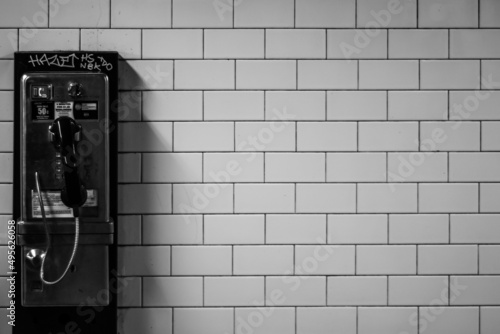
[292,166]
[61,39]
[385,320]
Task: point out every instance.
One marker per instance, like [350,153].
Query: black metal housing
[82,319]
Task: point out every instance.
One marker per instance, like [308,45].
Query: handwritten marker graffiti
[86,61]
[56,60]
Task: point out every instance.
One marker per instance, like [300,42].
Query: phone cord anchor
[75,246]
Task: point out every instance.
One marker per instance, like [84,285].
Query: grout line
[388,229]
[110,13]
[356,199]
[264,107]
[295,198]
[418,17]
[309,244]
[173,137]
[265,42]
[141,279]
[449,228]
[387,167]
[141,174]
[479,19]
[448,167]
[416,253]
[234,320]
[296,74]
[203,167]
[479,197]
[302,306]
[142,52]
[479,307]
[478,249]
[235,69]
[418,197]
[448,106]
[357,319]
[357,74]
[387,32]
[203,105]
[265,289]
[80,40]
[449,43]
[326,167]
[419,64]
[295,320]
[326,106]
[449,290]
[357,137]
[171,259]
[264,158]
[296,125]
[203,229]
[480,74]
[265,229]
[171,198]
[288,89]
[386,105]
[203,54]
[419,136]
[234,137]
[171,13]
[387,290]
[261,27]
[355,14]
[355,260]
[173,75]
[418,311]
[141,118]
[326,43]
[326,228]
[315,59]
[312,276]
[295,14]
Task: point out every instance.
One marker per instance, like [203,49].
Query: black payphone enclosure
[84,317]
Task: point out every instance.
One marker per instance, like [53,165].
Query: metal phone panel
[86,278]
[84,97]
[38,113]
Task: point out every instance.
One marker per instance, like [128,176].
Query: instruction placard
[42,111]
[86,110]
[53,205]
[63,109]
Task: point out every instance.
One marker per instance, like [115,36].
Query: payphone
[65,183]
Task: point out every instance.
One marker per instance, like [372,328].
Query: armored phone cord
[75,246]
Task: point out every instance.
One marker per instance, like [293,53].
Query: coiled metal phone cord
[75,246]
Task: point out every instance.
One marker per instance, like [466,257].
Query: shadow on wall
[136,136]
[151,140]
[136,320]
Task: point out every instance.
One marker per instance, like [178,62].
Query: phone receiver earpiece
[72,196]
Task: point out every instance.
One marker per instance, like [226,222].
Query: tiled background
[293,166]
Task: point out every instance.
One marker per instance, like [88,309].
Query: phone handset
[65,134]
